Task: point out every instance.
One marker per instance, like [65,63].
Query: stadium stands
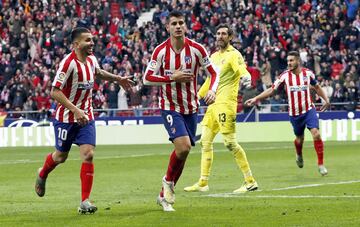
[34,37]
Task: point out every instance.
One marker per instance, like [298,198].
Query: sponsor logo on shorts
[173,130]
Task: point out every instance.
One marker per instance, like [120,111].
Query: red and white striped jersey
[297,89]
[75,79]
[179,97]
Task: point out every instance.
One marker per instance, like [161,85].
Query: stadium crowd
[34,36]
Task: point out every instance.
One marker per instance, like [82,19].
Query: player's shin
[174,167]
[298,147]
[239,155]
[207,155]
[86,176]
[319,148]
[48,166]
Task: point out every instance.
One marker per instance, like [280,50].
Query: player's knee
[316,134]
[230,145]
[300,139]
[88,155]
[60,157]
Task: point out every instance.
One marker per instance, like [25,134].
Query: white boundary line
[315,185]
[26,161]
[231,195]
[247,195]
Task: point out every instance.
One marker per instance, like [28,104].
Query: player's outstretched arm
[124,82]
[322,94]
[79,115]
[267,93]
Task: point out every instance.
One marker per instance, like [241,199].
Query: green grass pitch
[128,179]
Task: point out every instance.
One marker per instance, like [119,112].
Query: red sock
[175,165]
[162,192]
[298,147]
[178,173]
[319,147]
[48,166]
[86,176]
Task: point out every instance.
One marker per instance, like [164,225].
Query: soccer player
[298,81]
[72,88]
[221,116]
[174,66]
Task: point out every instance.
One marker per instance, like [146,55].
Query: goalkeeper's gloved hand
[246,81]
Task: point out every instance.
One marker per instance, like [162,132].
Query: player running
[221,116]
[72,88]
[298,81]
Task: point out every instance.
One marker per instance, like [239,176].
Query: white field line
[26,161]
[230,195]
[315,185]
[248,195]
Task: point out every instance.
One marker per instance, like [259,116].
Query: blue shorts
[308,119]
[68,133]
[178,125]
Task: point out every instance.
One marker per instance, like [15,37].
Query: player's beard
[294,67]
[88,50]
[221,44]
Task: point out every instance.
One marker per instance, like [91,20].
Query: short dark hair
[174,13]
[76,32]
[229,29]
[294,53]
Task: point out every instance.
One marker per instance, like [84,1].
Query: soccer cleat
[299,161]
[169,193]
[322,170]
[197,188]
[87,207]
[40,184]
[167,207]
[247,187]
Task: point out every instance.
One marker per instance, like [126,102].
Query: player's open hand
[250,102]
[126,82]
[81,117]
[325,106]
[182,76]
[210,97]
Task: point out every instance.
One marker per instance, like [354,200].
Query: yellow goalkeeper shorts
[220,117]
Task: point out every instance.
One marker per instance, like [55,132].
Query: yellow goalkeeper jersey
[231,66]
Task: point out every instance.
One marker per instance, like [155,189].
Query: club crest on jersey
[187,59]
[305,78]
